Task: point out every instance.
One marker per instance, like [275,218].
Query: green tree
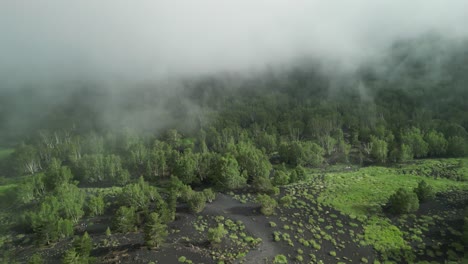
[95,205]
[424,191]
[457,147]
[437,143]
[125,219]
[72,257]
[264,185]
[157,161]
[298,174]
[405,154]
[33,188]
[139,195]
[184,166]
[413,138]
[72,201]
[155,231]
[225,173]
[83,245]
[47,223]
[108,232]
[301,153]
[26,159]
[252,161]
[403,201]
[280,178]
[56,175]
[379,149]
[267,142]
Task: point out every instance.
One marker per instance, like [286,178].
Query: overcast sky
[143,39]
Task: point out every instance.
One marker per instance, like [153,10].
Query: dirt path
[255,224]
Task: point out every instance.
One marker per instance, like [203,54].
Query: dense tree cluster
[407,201]
[258,132]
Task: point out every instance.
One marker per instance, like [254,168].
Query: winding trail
[255,224]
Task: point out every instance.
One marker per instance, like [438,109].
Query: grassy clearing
[363,192]
[384,237]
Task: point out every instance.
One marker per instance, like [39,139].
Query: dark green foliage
[465,231]
[225,173]
[457,147]
[252,161]
[302,153]
[47,222]
[280,178]
[413,138]
[210,196]
[155,231]
[379,149]
[263,185]
[197,202]
[125,220]
[424,191]
[72,201]
[36,259]
[405,153]
[298,174]
[403,201]
[71,257]
[231,137]
[139,195]
[268,204]
[437,143]
[185,165]
[83,245]
[267,142]
[26,159]
[101,168]
[80,252]
[32,189]
[95,205]
[56,175]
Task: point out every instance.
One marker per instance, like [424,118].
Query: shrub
[215,235]
[280,178]
[286,200]
[280,259]
[403,201]
[209,195]
[424,191]
[197,202]
[268,204]
[36,259]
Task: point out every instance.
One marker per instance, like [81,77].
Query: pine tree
[155,231]
[84,245]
